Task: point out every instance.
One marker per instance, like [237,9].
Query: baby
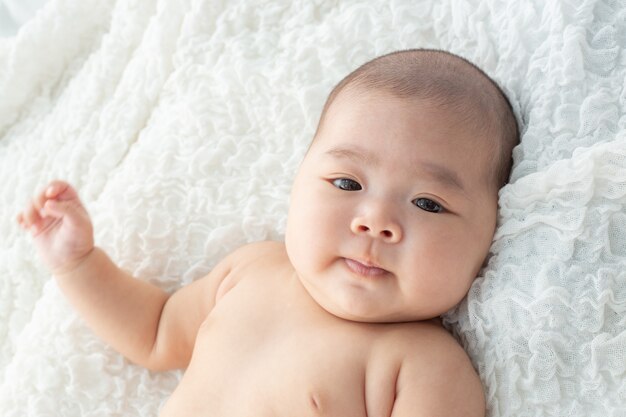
[392,214]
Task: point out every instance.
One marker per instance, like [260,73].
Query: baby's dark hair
[449,82]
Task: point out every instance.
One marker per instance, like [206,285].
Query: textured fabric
[182,124]
[14,13]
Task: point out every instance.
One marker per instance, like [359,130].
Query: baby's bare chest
[278,359]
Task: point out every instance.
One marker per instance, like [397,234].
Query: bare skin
[289,357]
[338,321]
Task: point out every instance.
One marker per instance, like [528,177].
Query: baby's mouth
[364,269]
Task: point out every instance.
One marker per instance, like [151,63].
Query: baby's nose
[377,227]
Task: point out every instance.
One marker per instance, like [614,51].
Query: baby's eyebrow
[355,155]
[441,174]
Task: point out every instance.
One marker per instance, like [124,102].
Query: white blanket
[182,122]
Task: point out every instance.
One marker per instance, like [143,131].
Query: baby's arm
[138,319]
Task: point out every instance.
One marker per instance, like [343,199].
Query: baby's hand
[60,227]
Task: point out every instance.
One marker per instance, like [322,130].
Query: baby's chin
[365,317]
[363,312]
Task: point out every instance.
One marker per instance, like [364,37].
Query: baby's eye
[427,204]
[347,184]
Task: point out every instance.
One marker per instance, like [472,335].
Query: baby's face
[391,212]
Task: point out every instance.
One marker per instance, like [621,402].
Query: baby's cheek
[306,242]
[437,257]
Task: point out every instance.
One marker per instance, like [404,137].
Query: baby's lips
[364,268]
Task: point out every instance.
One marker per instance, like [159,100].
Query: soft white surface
[183,122]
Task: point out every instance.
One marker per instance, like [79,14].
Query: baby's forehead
[363,112]
[460,112]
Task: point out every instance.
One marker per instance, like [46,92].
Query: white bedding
[183,122]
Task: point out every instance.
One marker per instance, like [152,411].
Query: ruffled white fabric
[182,123]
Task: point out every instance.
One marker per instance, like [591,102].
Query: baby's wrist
[73,266]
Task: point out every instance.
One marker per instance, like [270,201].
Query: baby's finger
[57,209]
[31,215]
[60,190]
[39,200]
[20,219]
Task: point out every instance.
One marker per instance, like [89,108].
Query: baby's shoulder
[256,259]
[435,374]
[251,260]
[265,252]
